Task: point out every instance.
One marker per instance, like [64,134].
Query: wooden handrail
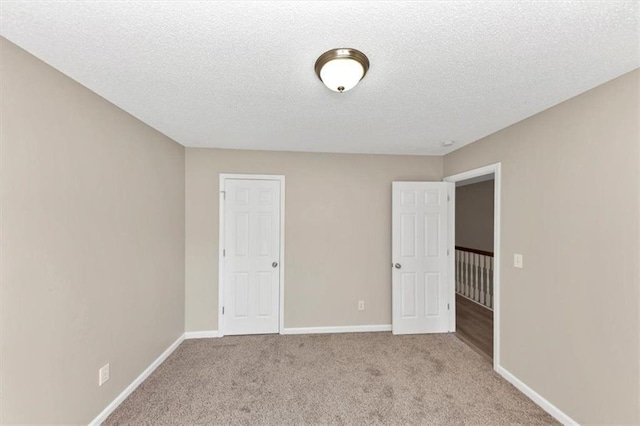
[471,250]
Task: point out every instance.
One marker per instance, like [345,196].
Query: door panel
[432,293]
[251,261]
[420,257]
[409,295]
[408,230]
[240,285]
[431,235]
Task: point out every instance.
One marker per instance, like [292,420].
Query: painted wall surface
[570,205]
[337,232]
[474,216]
[92,245]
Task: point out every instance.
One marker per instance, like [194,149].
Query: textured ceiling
[240,75]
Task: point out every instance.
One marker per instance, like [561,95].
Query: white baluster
[470,276]
[481,271]
[460,282]
[462,275]
[485,289]
[457,260]
[478,277]
[463,266]
[467,270]
[487,278]
[474,262]
[490,304]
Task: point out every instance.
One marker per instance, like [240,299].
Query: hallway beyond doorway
[474,325]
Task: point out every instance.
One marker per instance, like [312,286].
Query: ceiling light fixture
[341,69]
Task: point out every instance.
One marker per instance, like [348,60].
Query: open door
[420,244]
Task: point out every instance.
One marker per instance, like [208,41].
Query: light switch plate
[518,261]
[103,375]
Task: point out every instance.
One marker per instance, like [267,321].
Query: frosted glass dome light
[341,75]
[341,69]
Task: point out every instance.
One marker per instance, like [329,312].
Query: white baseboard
[141,378]
[340,329]
[201,334]
[536,397]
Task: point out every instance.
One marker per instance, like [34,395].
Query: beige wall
[92,245]
[474,216]
[337,232]
[569,325]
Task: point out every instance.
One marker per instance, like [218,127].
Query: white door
[251,298]
[420,241]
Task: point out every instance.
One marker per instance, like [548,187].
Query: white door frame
[221,275]
[482,171]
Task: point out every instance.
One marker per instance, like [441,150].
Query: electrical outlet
[361,305]
[518,261]
[103,375]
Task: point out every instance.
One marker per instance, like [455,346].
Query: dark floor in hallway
[474,325]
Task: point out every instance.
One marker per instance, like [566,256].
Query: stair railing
[474,275]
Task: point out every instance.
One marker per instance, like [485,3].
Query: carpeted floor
[368,378]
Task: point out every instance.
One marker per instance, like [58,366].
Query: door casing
[221,244]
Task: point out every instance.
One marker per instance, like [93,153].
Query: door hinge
[224,194]
[448,198]
[223,310]
[447,307]
[447,252]
[224,252]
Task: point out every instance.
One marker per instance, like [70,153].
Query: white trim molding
[494,169]
[207,334]
[222,178]
[558,414]
[138,380]
[451,247]
[337,329]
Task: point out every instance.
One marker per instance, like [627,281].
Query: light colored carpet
[367,378]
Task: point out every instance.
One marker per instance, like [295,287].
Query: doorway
[251,262]
[476,264]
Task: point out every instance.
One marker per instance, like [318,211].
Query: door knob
[398,266]
[274,264]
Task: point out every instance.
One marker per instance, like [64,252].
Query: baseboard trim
[141,378]
[202,334]
[340,329]
[536,397]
